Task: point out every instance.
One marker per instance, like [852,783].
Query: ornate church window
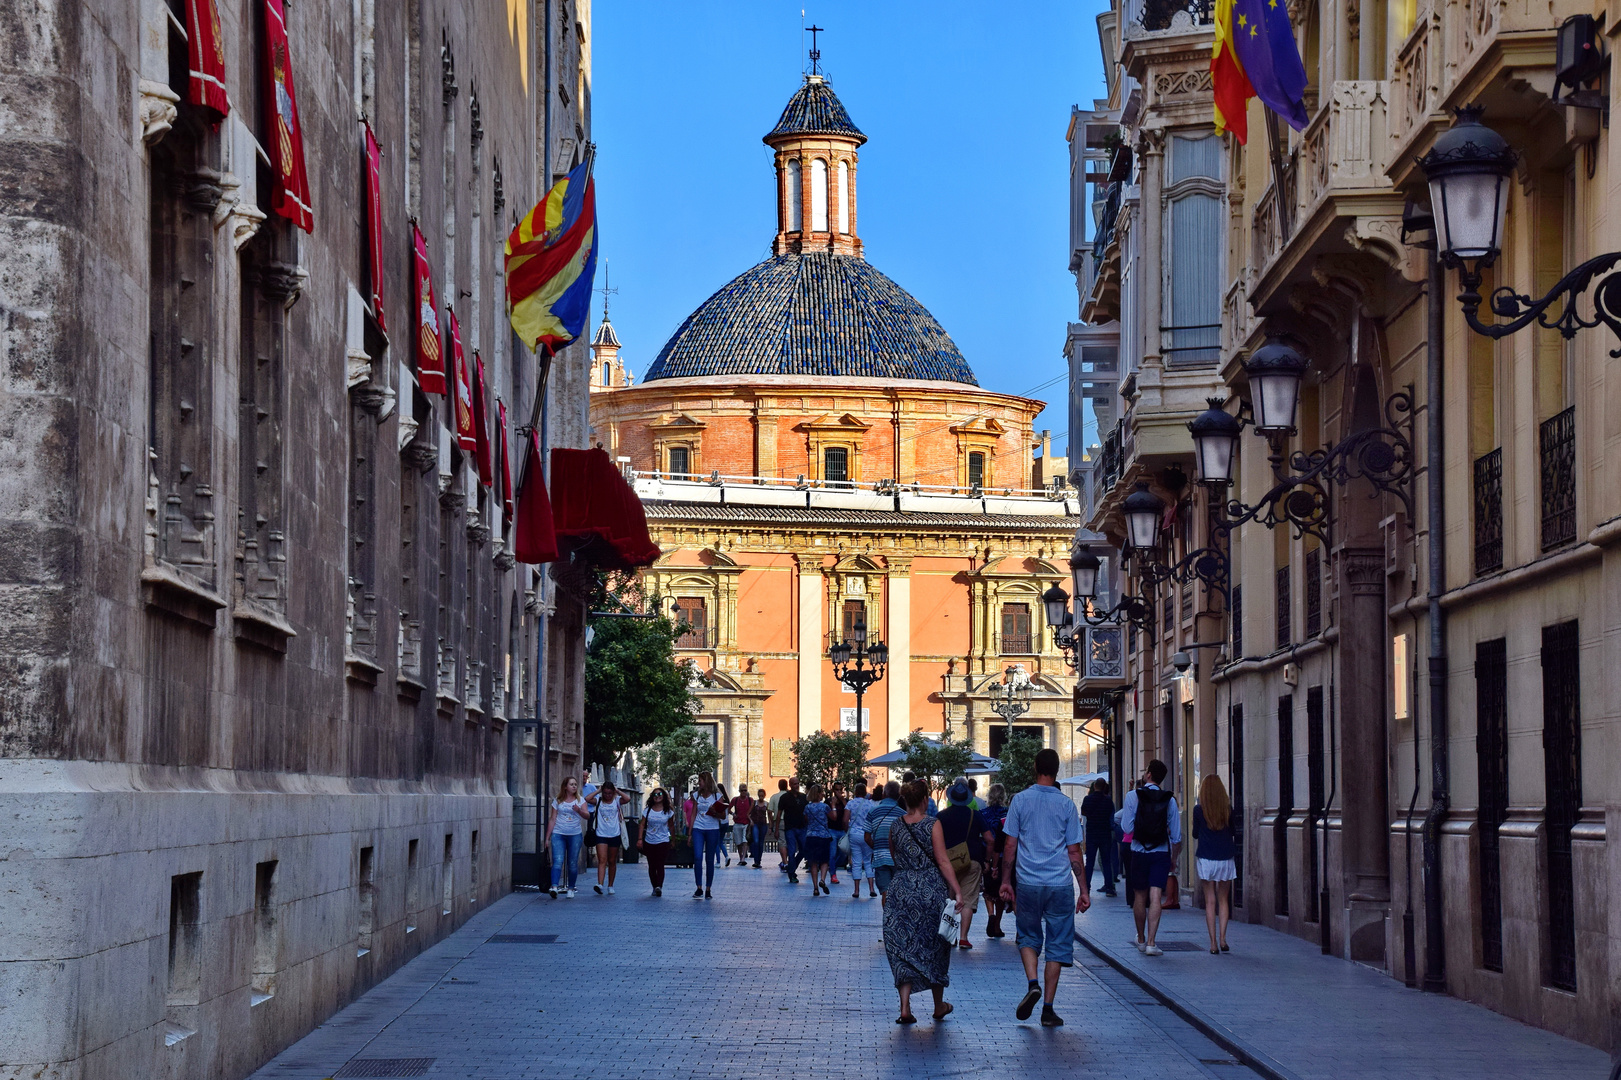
[796,198]
[819,195]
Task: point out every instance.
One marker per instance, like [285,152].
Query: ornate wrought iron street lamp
[1069,625]
[858,664]
[1469,170]
[1013,699]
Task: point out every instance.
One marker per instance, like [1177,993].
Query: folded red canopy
[594,508]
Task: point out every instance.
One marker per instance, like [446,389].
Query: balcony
[1334,170]
[1458,52]
[698,638]
[1168,16]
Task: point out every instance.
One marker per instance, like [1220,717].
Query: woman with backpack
[1217,858]
[709,814]
[656,837]
[608,824]
[966,837]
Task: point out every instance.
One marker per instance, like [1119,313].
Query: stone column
[1152,211]
[1363,777]
[810,643]
[900,651]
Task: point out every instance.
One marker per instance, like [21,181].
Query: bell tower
[816,143]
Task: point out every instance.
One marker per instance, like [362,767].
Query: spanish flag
[1255,56]
[551,262]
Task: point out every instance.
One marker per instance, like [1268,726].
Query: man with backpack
[1150,817]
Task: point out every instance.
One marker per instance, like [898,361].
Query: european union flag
[1265,46]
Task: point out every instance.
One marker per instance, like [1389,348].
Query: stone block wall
[256,609]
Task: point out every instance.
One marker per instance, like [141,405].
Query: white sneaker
[1140,945]
[571,894]
[1153,950]
[610,890]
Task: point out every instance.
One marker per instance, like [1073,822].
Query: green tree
[635,691]
[820,758]
[1018,760]
[675,758]
[937,763]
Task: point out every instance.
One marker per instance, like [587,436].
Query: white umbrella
[1084,779]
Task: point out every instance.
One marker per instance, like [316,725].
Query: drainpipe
[1440,794]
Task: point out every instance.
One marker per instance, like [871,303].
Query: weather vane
[605,291]
[815,53]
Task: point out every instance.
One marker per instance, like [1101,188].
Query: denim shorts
[1047,911]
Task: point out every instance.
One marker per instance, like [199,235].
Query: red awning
[596,512]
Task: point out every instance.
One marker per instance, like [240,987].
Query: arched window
[819,195]
[796,198]
[607,374]
[844,197]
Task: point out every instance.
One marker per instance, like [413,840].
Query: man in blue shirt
[1043,854]
[1151,819]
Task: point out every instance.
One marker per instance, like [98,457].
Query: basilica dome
[816,307]
[815,313]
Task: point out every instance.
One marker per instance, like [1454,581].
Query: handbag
[844,844]
[961,860]
[951,923]
[1172,898]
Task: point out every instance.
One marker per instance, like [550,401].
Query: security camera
[1181,661]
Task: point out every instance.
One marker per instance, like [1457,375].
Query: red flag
[290,197]
[464,388]
[505,462]
[430,341]
[535,538]
[481,424]
[374,225]
[206,45]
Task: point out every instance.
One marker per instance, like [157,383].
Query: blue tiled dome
[815,314]
[816,110]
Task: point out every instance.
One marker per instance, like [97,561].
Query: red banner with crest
[374,225]
[290,197]
[205,44]
[464,388]
[430,342]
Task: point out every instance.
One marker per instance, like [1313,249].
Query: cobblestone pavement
[762,981]
[1316,1017]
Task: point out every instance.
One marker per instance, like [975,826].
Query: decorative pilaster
[899,638]
[811,599]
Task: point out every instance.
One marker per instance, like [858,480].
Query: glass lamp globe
[1143,511]
[1468,170]
[1215,440]
[1083,573]
[1274,371]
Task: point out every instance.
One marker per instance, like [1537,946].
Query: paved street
[1362,1023]
[763,981]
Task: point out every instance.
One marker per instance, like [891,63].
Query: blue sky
[963,184]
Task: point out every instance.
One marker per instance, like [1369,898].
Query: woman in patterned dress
[924,879]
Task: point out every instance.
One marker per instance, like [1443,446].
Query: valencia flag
[551,262]
[290,197]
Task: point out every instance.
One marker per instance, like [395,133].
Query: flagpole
[1274,140]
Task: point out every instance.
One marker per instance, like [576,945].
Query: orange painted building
[813,451]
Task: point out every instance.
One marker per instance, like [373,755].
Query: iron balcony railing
[1558,439]
[1161,14]
[1111,460]
[1106,228]
[1489,512]
[698,637]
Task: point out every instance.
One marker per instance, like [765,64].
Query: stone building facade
[813,451]
[264,635]
[1431,796]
